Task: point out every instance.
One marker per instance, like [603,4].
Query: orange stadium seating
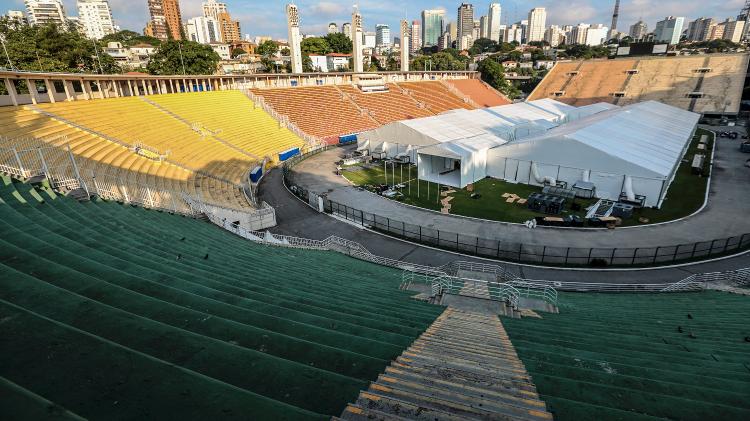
[480,93]
[318,111]
[386,107]
[436,96]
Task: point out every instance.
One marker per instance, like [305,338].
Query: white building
[319,62]
[16,16]
[346,29]
[416,36]
[42,12]
[333,28]
[294,40]
[338,62]
[464,26]
[203,30]
[669,30]
[382,35]
[96,18]
[554,36]
[578,34]
[699,29]
[631,150]
[369,40]
[596,35]
[514,33]
[493,21]
[732,30]
[537,23]
[223,50]
[484,27]
[638,30]
[212,9]
[132,57]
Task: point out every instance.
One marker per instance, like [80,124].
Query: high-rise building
[465,26]
[452,29]
[382,35]
[537,22]
[578,34]
[43,12]
[346,29]
[96,18]
[416,36]
[484,27]
[493,21]
[476,31]
[357,41]
[715,31]
[444,41]
[554,35]
[698,29]
[166,20]
[333,28]
[638,30]
[503,29]
[16,16]
[732,30]
[368,40]
[596,35]
[432,26]
[513,33]
[212,9]
[204,30]
[230,29]
[669,30]
[294,40]
[405,45]
[524,25]
[615,16]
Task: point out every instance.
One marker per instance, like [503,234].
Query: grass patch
[685,195]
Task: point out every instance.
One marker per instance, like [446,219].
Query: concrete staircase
[462,368]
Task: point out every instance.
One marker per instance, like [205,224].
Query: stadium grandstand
[710,84]
[139,279]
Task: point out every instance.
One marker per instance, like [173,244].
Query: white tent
[635,149]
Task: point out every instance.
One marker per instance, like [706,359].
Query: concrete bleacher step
[463,367]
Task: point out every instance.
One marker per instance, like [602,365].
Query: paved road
[725,215]
[298,219]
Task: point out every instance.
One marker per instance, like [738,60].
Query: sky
[268,17]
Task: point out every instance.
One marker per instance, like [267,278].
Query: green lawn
[685,195]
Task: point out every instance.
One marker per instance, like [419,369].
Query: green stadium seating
[114,311]
[677,356]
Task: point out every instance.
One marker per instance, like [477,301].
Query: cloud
[328,9]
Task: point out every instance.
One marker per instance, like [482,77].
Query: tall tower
[357,40]
[615,15]
[405,44]
[292,21]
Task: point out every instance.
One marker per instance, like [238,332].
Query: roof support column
[68,87]
[11,91]
[31,86]
[86,88]
[50,90]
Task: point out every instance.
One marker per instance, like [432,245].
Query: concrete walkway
[727,213]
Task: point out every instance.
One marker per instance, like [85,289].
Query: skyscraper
[357,41]
[493,21]
[416,36]
[537,22]
[432,26]
[166,20]
[204,30]
[484,27]
[465,26]
[43,12]
[669,29]
[292,22]
[346,29]
[638,30]
[333,28]
[554,36]
[96,18]
[382,35]
[229,30]
[699,29]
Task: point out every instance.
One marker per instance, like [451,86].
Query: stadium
[399,245]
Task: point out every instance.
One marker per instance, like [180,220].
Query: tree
[339,43]
[237,52]
[391,64]
[439,61]
[307,64]
[188,57]
[129,38]
[315,46]
[494,74]
[286,51]
[268,48]
[51,48]
[483,45]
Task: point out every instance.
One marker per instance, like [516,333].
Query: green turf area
[113,311]
[688,190]
[629,357]
[685,196]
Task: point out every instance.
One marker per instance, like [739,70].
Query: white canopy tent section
[634,150]
[456,163]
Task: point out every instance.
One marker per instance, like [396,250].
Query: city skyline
[258,18]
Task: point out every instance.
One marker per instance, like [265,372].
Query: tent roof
[649,134]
